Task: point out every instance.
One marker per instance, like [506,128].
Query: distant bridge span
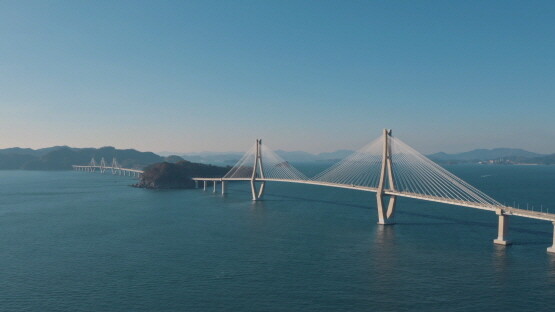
[114,168]
[387,167]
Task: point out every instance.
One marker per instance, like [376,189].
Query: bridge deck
[506,209]
[109,168]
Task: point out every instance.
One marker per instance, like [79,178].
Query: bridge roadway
[505,209]
[130,171]
[432,182]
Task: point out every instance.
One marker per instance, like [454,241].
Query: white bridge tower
[386,217]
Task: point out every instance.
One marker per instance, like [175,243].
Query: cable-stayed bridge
[388,167]
[114,168]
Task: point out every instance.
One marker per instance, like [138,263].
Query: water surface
[75,241]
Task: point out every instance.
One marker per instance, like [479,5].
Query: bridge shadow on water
[445,220]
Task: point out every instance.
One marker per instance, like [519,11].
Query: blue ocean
[76,241]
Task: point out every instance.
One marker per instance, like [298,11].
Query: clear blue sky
[317,76]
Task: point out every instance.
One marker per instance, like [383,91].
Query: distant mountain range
[293,156]
[62,157]
[485,154]
[496,155]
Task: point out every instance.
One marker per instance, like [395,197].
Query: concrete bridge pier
[502,230]
[196,184]
[385,217]
[552,248]
[257,194]
[215,184]
[224,187]
[204,185]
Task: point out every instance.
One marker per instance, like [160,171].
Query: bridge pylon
[114,165]
[93,165]
[102,165]
[386,217]
[257,194]
[552,248]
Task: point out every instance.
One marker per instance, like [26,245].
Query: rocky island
[177,175]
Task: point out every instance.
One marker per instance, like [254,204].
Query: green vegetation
[167,175]
[62,157]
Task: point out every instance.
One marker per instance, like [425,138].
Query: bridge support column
[261,190]
[224,187]
[257,195]
[253,191]
[386,217]
[215,184]
[502,230]
[552,248]
[204,185]
[391,209]
[196,184]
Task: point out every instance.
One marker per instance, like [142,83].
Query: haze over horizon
[314,76]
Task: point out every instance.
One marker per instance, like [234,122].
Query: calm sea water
[74,241]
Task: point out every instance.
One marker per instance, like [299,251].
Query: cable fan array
[274,167]
[243,168]
[414,174]
[277,168]
[362,168]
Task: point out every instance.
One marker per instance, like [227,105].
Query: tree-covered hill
[61,158]
[167,175]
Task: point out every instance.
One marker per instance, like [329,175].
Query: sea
[77,241]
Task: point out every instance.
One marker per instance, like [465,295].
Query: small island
[177,175]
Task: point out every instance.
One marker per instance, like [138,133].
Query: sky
[190,76]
